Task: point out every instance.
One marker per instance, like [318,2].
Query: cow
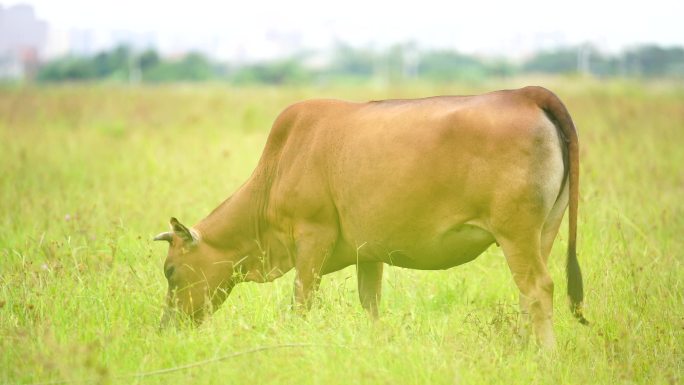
[425,183]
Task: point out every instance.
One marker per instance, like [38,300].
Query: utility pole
[583,54]
[134,72]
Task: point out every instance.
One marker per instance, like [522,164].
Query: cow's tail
[556,111]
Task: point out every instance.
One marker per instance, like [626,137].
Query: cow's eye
[168,272]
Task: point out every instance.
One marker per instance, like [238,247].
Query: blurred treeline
[350,64]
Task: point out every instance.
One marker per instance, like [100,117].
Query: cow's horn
[164,237]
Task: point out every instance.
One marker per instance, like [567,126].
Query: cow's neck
[238,228]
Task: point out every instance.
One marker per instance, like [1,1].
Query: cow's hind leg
[528,267]
[370,285]
[548,236]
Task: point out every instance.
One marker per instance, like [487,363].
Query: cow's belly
[456,246]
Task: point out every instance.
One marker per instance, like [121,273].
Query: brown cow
[423,184]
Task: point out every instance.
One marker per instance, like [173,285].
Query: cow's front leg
[314,245]
[307,280]
[370,286]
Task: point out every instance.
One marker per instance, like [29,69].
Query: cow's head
[199,277]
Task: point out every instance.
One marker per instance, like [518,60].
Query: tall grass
[88,174]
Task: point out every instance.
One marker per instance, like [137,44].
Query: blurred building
[22,41]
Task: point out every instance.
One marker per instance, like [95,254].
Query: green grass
[88,174]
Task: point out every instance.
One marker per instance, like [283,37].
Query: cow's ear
[181,231]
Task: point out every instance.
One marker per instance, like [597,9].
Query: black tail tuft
[575,287]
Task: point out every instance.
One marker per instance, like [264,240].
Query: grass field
[88,174]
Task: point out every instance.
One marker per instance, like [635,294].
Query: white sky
[473,26]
